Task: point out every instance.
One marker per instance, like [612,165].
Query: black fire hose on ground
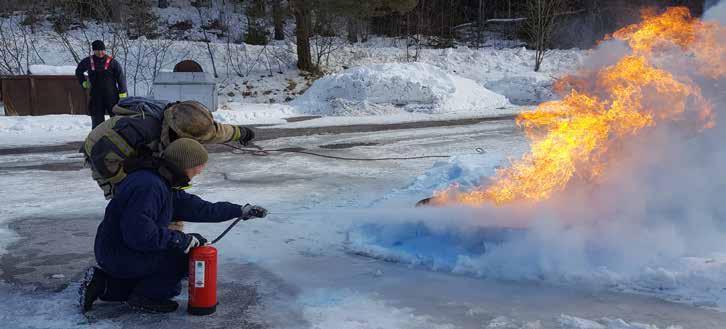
[259,151]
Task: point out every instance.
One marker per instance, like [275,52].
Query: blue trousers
[164,282]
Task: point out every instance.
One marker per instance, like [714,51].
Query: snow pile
[43,130]
[383,89]
[507,71]
[510,72]
[52,70]
[245,114]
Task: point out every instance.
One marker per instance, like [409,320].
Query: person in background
[106,80]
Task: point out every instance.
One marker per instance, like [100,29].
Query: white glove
[195,240]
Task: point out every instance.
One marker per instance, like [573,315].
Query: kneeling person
[142,262]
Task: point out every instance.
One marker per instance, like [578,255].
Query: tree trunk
[163,3]
[302,32]
[116,7]
[278,16]
[352,30]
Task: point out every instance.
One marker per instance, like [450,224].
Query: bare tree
[70,29]
[541,17]
[323,47]
[208,42]
[15,48]
[145,58]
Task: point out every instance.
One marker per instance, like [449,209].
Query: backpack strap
[106,65]
[106,130]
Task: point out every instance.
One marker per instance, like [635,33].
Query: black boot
[152,305]
[92,286]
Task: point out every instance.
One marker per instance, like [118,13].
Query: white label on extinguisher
[198,274]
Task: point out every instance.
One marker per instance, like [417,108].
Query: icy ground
[299,268]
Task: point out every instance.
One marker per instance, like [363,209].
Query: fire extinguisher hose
[228,229]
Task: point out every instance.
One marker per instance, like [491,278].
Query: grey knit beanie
[186,153]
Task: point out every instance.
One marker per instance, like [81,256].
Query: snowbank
[52,70]
[244,114]
[43,130]
[397,88]
[506,71]
[509,72]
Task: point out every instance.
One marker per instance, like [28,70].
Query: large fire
[576,137]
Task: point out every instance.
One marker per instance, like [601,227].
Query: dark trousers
[97,119]
[98,108]
[162,284]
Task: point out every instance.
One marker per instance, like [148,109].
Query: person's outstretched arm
[192,208]
[224,133]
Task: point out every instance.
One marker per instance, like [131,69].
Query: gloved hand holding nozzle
[247,135]
[249,211]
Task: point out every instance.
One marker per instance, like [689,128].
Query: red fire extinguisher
[202,280]
[203,276]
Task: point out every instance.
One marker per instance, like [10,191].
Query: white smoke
[660,207]
[715,11]
[662,200]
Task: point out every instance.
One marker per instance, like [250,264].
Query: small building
[43,94]
[187,82]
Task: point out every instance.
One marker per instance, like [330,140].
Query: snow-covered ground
[300,260]
[344,248]
[260,85]
[370,94]
[43,130]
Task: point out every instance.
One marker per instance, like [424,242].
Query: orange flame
[677,27]
[573,137]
